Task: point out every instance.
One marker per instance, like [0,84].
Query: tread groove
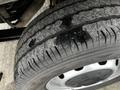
[40,61]
[23,68]
[53,53]
[23,72]
[70,43]
[44,57]
[35,63]
[85,42]
[31,66]
[98,37]
[49,56]
[57,51]
[118,28]
[114,34]
[63,48]
[109,34]
[76,44]
[104,36]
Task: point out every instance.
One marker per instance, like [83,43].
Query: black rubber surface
[71,28]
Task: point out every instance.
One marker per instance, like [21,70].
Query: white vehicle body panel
[6,1]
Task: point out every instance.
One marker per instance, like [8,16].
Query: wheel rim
[85,77]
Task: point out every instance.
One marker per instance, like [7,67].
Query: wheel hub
[84,77]
[89,78]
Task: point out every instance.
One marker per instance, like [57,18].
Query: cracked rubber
[72,34]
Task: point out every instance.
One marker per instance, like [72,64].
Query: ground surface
[7,53]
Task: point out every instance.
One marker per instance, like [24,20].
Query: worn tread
[90,27]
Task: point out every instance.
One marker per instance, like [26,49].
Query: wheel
[73,46]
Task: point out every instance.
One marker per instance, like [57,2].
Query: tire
[73,34]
